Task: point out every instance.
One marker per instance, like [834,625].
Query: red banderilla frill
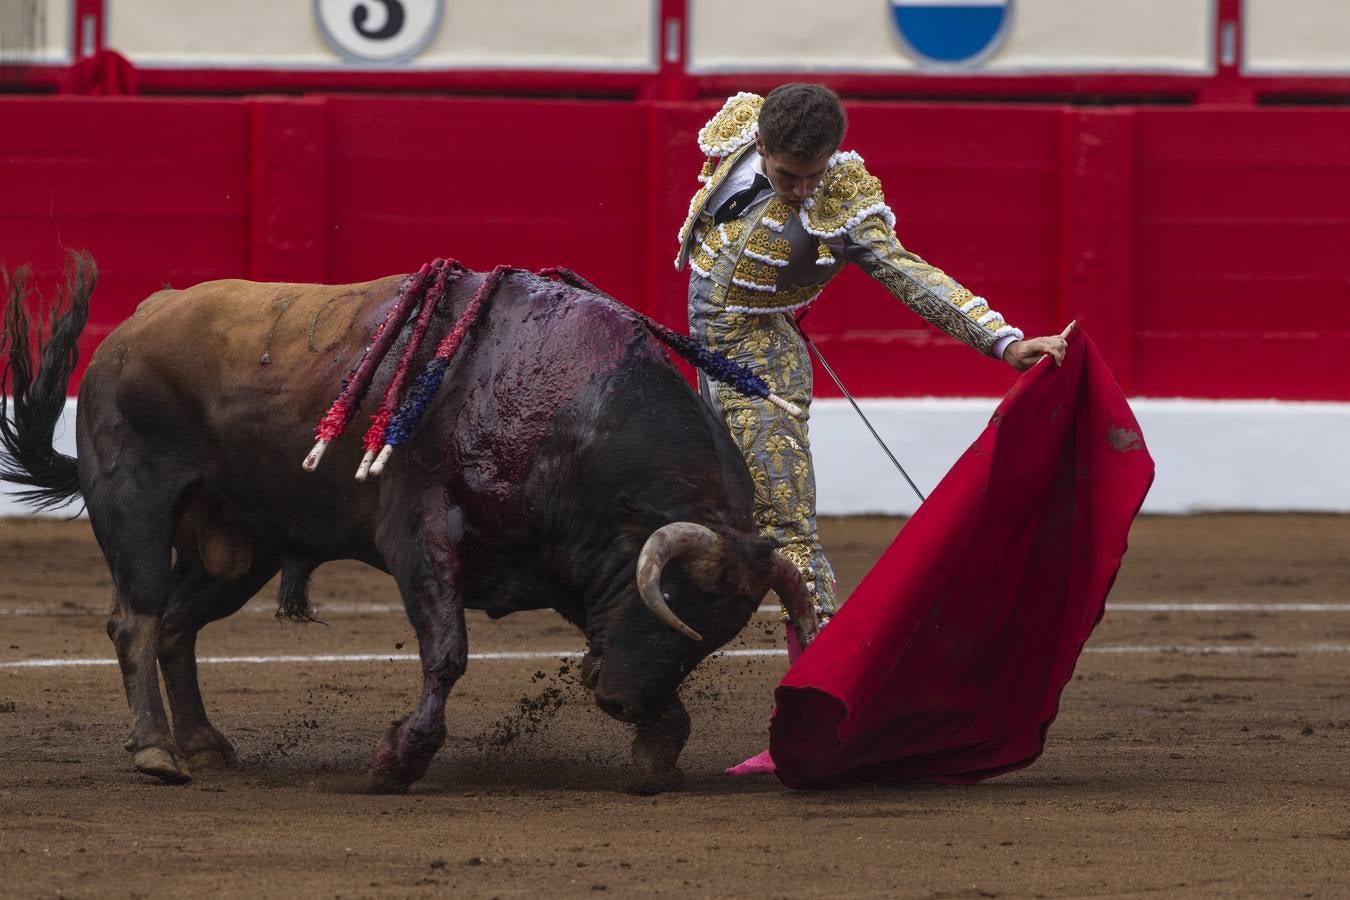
[356,384]
[374,440]
[403,404]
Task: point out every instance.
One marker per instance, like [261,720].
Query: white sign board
[998,37]
[605,35]
[37,32]
[1296,37]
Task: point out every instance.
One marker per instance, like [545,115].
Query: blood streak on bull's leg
[427,565]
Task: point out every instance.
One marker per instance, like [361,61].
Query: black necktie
[734,205]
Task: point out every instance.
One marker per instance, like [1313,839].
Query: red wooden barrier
[1202,247]
[1242,287]
[158,190]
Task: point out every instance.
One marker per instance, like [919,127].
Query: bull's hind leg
[135,531]
[428,568]
[198,599]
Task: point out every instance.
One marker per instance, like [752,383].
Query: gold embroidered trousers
[775,445]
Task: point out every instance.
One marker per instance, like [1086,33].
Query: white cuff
[1001,345]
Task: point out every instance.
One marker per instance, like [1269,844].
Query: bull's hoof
[590,671]
[646,784]
[206,749]
[210,761]
[162,764]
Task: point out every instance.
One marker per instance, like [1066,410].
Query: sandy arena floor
[1199,751]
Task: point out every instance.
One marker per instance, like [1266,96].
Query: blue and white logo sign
[951,32]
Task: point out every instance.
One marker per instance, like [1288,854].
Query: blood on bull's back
[536,349]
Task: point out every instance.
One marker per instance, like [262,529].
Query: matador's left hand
[1022,355]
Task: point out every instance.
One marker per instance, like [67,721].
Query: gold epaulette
[733,127]
[847,195]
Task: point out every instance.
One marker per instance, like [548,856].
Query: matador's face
[793,179]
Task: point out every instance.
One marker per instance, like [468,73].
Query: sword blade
[811,345]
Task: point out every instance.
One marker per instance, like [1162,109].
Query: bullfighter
[781,211]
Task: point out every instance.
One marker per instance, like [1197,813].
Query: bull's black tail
[27,456]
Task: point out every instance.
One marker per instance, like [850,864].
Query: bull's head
[716,579]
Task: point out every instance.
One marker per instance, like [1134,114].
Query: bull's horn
[790,586]
[665,544]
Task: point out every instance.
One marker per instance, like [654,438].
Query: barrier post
[288,208]
[1096,265]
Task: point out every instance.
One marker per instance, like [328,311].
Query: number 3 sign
[378,31]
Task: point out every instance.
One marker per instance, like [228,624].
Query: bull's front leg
[656,749]
[428,567]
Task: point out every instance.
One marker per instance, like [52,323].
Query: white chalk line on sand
[532,655]
[340,609]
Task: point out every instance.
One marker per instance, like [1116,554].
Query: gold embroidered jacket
[777,257]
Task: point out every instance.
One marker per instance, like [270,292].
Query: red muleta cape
[947,662]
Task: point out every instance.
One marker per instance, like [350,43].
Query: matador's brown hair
[802,122]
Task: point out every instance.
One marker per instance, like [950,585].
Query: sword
[843,390]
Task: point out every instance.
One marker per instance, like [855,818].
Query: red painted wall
[1242,252]
[158,190]
[1203,248]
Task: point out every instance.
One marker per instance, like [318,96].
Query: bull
[564,463]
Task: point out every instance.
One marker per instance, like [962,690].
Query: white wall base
[64,443]
[1211,454]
